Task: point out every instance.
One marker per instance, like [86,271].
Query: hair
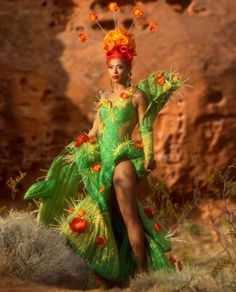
[119,43]
[120,52]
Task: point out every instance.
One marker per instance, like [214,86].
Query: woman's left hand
[150,164]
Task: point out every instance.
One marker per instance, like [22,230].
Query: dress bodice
[113,116]
[116,121]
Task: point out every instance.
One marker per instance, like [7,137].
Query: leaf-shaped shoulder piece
[157,87]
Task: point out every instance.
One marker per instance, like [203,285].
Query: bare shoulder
[139,98]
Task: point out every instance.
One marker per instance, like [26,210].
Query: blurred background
[49,81]
[48,87]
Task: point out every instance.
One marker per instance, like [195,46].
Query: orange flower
[96,167]
[138,144]
[78,225]
[175,78]
[83,138]
[157,227]
[137,12]
[160,79]
[81,212]
[149,213]
[83,37]
[70,210]
[101,189]
[100,241]
[92,16]
[152,26]
[124,95]
[112,6]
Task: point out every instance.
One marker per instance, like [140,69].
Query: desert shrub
[189,279]
[31,251]
[13,183]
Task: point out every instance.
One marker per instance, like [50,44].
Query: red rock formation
[48,82]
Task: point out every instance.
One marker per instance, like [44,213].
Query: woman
[109,227]
[124,175]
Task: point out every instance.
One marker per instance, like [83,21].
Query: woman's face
[118,70]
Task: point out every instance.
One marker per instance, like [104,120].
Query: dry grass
[32,252]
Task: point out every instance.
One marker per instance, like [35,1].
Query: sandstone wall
[48,82]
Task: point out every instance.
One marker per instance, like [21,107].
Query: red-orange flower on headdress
[83,37]
[138,12]
[112,6]
[92,16]
[78,225]
[152,26]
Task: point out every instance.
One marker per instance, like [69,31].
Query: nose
[115,70]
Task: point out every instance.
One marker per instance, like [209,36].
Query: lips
[115,77]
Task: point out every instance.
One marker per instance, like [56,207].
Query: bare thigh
[125,186]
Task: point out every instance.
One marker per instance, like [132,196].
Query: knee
[118,178]
[123,173]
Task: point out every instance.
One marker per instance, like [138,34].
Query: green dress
[92,226]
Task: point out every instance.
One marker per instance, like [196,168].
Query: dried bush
[32,252]
[189,279]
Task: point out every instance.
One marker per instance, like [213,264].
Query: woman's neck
[118,87]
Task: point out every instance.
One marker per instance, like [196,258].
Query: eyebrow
[116,65]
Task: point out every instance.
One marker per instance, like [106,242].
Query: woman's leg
[125,185]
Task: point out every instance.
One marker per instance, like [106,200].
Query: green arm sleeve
[157,87]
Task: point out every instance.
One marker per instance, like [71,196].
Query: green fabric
[57,190]
[114,260]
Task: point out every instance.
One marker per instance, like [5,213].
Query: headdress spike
[113,6]
[83,37]
[138,13]
[93,17]
[152,26]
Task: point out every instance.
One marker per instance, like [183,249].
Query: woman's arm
[141,103]
[95,127]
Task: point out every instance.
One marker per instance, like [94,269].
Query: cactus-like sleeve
[157,87]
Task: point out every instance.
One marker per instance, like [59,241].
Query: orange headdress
[118,43]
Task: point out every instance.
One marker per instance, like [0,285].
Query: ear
[129,66]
